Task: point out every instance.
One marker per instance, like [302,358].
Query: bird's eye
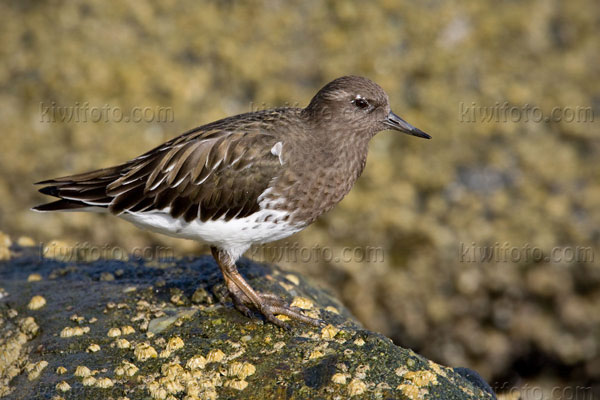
[360,103]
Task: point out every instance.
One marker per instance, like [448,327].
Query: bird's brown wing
[207,173]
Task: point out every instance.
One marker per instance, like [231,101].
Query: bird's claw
[270,305]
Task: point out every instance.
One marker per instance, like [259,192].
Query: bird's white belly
[260,227]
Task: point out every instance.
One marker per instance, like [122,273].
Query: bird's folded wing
[205,174]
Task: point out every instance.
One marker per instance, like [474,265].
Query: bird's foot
[245,297]
[269,305]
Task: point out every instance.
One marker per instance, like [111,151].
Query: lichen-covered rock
[198,350]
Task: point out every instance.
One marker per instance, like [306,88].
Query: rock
[130,339]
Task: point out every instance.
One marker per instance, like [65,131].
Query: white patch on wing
[158,182]
[131,180]
[99,210]
[179,181]
[216,164]
[201,181]
[276,150]
[266,201]
[170,167]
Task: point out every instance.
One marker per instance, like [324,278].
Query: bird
[247,179]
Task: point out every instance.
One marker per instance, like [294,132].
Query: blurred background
[479,248]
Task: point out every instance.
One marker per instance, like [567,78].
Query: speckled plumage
[250,178]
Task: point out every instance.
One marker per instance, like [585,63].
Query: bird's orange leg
[243,295]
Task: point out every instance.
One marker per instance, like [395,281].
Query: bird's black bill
[398,124]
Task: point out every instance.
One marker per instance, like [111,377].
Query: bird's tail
[76,192]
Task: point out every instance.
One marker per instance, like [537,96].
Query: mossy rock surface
[141,330]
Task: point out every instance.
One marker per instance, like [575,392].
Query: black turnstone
[251,178]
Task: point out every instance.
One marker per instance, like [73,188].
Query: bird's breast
[313,182]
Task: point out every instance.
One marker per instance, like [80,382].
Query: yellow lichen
[236,384]
[127,330]
[164,354]
[82,371]
[329,332]
[35,369]
[172,385]
[144,351]
[114,332]
[25,241]
[356,387]
[332,309]
[63,386]
[77,318]
[241,370]
[293,278]
[339,378]
[123,343]
[126,369]
[410,391]
[278,346]
[215,355]
[35,277]
[196,362]
[104,383]
[29,326]
[74,331]
[315,354]
[175,343]
[5,244]
[88,381]
[421,378]
[303,303]
[92,348]
[361,371]
[156,390]
[178,299]
[438,369]
[36,303]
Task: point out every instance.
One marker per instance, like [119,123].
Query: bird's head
[359,102]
